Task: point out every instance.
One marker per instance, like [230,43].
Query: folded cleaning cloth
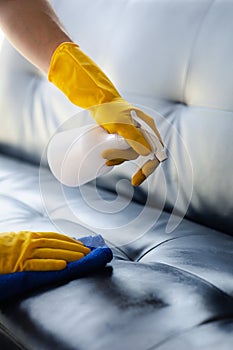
[18,283]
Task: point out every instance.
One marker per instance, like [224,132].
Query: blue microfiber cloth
[18,283]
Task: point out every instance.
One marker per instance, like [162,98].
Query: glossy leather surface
[163,290]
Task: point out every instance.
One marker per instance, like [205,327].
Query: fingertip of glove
[114,162]
[44,265]
[138,178]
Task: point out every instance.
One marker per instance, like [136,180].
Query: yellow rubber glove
[116,157]
[84,83]
[38,251]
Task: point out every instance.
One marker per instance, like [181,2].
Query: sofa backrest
[174,57]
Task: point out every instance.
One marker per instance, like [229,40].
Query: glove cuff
[79,78]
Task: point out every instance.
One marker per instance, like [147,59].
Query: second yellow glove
[38,251]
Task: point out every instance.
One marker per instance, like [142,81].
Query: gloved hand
[116,157]
[88,87]
[157,155]
[38,251]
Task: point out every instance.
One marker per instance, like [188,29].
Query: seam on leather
[228,296]
[11,337]
[210,108]
[177,334]
[156,246]
[121,251]
[189,64]
[167,240]
[217,319]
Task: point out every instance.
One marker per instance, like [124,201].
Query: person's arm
[33,28]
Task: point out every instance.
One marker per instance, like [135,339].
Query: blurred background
[1,37]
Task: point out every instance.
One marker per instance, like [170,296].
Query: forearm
[35,31]
[33,28]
